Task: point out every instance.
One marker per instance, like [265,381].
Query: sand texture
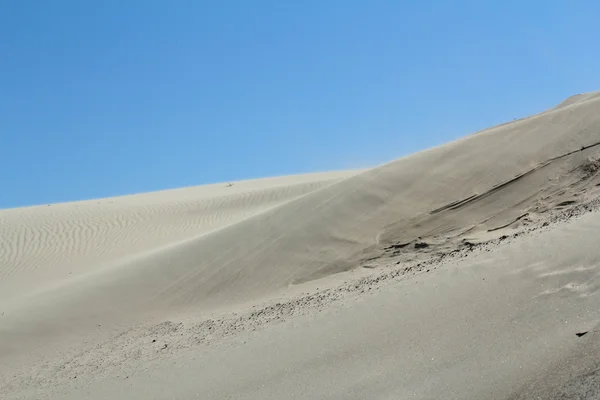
[465,271]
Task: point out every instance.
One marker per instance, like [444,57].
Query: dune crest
[66,269]
[219,245]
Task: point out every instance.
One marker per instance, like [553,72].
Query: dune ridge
[241,258]
[66,269]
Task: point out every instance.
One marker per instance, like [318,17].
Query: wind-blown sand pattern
[460,272]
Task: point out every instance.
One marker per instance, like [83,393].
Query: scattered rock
[580,334]
[566,203]
[397,246]
[590,168]
[421,245]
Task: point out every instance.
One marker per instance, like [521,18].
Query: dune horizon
[401,280]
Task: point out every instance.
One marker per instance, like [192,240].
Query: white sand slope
[51,255]
[501,325]
[72,272]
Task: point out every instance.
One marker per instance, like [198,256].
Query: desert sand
[466,271]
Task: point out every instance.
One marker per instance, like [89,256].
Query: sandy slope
[73,274]
[495,326]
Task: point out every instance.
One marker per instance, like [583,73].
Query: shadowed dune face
[201,249]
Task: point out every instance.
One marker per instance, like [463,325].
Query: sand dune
[78,272]
[501,324]
[75,238]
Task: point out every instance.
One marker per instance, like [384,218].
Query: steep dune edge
[469,187]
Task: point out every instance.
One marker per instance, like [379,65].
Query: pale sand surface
[463,272]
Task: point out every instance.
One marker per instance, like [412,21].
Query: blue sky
[115,97]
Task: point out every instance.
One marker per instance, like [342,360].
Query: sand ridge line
[499,186]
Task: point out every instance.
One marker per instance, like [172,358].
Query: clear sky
[101,98]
